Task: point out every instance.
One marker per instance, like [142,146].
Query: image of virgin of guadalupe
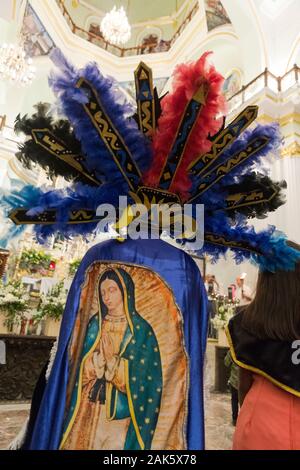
[116,398]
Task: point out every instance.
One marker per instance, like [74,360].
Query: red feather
[187,79]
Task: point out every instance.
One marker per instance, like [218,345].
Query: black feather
[31,153]
[255,196]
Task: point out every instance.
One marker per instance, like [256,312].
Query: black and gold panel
[157,196]
[251,198]
[110,135]
[223,139]
[223,169]
[186,125]
[222,240]
[56,147]
[81,216]
[145,99]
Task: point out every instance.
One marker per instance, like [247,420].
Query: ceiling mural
[215,14]
[137,10]
[37,42]
[155,25]
[232,84]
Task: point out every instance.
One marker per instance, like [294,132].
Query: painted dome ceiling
[157,23]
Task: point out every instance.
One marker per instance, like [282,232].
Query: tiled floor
[219,430]
[12,418]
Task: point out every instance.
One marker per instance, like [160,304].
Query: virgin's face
[111,294]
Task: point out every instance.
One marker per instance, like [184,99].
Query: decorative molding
[293,150]
[162,63]
[117,50]
[289,118]
[262,90]
[292,118]
[292,134]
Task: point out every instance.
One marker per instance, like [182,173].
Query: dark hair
[114,277]
[274,313]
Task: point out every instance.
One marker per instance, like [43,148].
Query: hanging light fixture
[115,26]
[14,65]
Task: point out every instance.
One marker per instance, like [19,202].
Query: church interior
[255,47]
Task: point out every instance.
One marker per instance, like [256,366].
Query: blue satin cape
[182,275]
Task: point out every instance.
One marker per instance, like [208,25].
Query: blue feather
[20,195]
[63,201]
[277,255]
[274,255]
[98,158]
[256,161]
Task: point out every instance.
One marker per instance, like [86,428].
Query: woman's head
[111,292]
[275,311]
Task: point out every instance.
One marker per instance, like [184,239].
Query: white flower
[219,322]
[28,314]
[9,298]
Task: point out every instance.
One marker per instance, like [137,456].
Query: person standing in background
[212,288]
[211,285]
[262,339]
[243,292]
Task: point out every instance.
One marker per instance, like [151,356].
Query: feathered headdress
[171,150]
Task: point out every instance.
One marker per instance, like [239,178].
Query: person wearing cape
[144,396]
[128,370]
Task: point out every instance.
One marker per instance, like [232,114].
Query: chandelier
[14,65]
[115,26]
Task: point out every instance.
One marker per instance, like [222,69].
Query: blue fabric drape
[182,275]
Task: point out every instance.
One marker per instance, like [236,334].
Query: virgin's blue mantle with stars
[181,274]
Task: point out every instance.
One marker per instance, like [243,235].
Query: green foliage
[73,266]
[33,260]
[52,304]
[224,311]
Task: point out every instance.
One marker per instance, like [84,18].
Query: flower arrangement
[14,303]
[225,310]
[52,304]
[73,266]
[35,261]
